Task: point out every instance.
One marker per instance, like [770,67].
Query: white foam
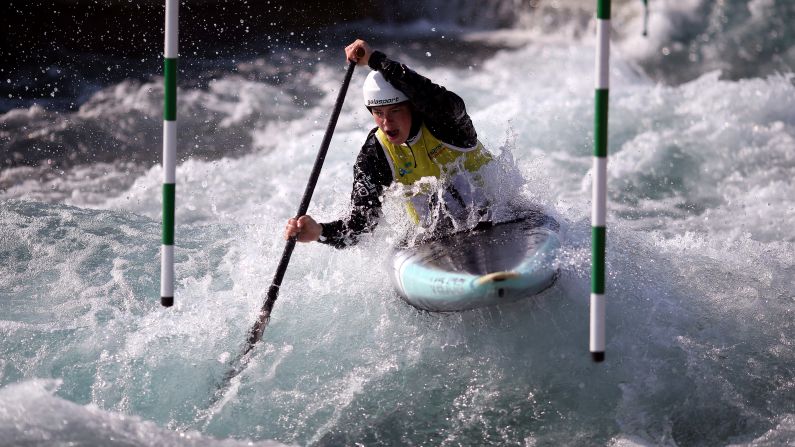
[31,412]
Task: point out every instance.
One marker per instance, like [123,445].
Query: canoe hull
[486,266]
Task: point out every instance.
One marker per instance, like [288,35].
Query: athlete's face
[394,120]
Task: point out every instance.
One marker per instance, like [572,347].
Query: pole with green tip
[169,153]
[599,198]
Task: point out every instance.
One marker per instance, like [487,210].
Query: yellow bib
[428,157]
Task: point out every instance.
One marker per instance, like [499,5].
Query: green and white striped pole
[599,199]
[169,153]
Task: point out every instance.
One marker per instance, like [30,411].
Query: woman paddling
[423,130]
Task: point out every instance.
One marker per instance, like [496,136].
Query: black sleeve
[371,174]
[444,112]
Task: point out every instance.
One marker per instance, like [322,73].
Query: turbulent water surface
[701,248]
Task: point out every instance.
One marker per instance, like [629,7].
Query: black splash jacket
[443,113]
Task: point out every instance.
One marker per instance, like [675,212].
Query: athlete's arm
[371,174]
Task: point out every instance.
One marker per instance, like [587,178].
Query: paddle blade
[255,334]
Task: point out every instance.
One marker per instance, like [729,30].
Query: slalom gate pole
[169,152]
[645,18]
[599,198]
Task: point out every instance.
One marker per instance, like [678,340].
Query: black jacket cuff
[376,58]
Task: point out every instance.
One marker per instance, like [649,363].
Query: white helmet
[379,92]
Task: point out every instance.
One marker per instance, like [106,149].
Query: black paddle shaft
[273,292]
